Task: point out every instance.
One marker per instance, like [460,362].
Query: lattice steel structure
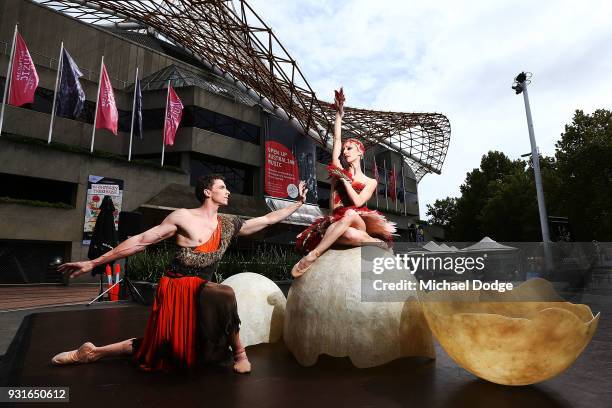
[231,40]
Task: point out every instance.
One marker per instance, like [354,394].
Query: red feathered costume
[377,225]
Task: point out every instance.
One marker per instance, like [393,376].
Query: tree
[499,199]
[480,184]
[442,212]
[584,164]
[511,212]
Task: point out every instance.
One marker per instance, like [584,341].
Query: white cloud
[457,58]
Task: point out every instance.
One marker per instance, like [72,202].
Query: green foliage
[479,186]
[498,199]
[272,261]
[511,211]
[584,157]
[151,264]
[35,203]
[442,212]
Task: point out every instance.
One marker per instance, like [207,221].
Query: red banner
[174,114]
[375,170]
[24,78]
[393,185]
[282,171]
[108,117]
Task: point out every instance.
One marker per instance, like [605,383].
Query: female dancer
[351,222]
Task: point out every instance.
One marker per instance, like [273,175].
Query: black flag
[138,111]
[71,96]
[104,237]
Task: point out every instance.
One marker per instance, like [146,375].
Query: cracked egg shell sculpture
[325,315]
[520,337]
[261,307]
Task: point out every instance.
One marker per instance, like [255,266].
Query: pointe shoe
[380,244]
[296,271]
[81,355]
[242,364]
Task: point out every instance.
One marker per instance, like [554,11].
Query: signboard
[97,188]
[290,157]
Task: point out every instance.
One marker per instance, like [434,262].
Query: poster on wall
[97,188]
[290,157]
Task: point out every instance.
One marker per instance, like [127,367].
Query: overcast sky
[458,58]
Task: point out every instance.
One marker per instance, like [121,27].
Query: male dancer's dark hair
[206,182]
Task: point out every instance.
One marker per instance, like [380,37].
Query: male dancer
[193,320]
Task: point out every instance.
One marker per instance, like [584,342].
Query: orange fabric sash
[213,242]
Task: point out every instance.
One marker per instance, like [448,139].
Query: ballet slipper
[296,271]
[82,355]
[241,362]
[380,244]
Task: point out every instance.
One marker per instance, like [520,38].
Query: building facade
[44,186]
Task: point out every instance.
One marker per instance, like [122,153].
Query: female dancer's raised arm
[350,223]
[337,146]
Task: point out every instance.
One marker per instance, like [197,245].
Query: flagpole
[404,189]
[165,120]
[7,83]
[395,186]
[375,176]
[93,132]
[386,182]
[133,114]
[60,64]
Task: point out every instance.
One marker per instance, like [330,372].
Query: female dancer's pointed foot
[381,244]
[82,355]
[304,264]
[241,362]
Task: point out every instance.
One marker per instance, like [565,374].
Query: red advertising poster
[290,157]
[281,171]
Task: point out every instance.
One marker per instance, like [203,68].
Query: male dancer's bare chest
[194,231]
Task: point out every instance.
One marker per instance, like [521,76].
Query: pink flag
[174,113]
[24,78]
[393,184]
[108,116]
[375,170]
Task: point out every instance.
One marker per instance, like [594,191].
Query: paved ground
[20,301]
[16,297]
[279,381]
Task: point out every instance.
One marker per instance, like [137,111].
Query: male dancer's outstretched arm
[130,246]
[254,225]
[168,228]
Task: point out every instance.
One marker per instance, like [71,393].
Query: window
[324,191]
[411,198]
[37,189]
[153,119]
[170,158]
[323,156]
[238,177]
[31,261]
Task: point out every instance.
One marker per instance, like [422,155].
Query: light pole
[520,86]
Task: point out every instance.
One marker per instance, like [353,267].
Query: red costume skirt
[377,226]
[191,322]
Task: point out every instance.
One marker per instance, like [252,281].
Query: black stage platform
[277,380]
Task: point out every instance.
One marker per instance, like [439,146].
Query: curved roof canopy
[230,39]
